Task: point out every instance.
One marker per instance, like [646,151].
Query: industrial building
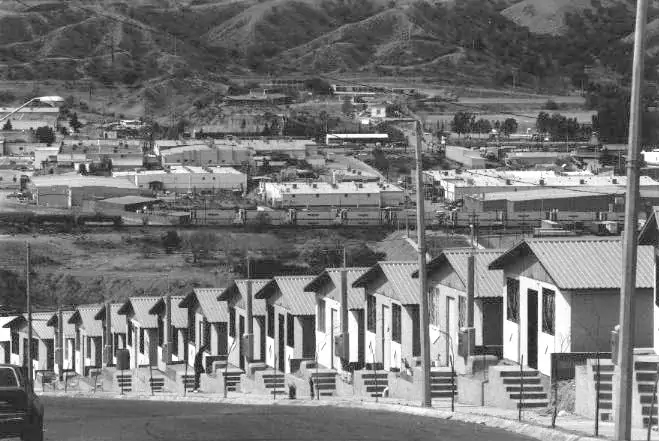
[202,154]
[126,203]
[454,185]
[323,194]
[183,179]
[71,189]
[122,155]
[465,156]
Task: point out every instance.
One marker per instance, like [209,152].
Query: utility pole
[623,413]
[60,342]
[345,349]
[28,305]
[169,341]
[249,350]
[109,356]
[421,240]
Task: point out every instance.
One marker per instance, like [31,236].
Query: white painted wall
[324,342]
[353,332]
[371,347]
[270,351]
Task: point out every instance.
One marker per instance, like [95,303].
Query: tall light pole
[28,305]
[42,99]
[623,414]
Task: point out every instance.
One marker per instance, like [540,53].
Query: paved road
[79,419]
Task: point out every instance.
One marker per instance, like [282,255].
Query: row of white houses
[542,296]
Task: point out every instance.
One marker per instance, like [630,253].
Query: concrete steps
[232,380]
[645,376]
[605,378]
[157,384]
[274,383]
[443,383]
[124,382]
[376,383]
[522,389]
[324,382]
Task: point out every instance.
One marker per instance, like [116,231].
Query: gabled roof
[85,315]
[211,308]
[582,263]
[294,299]
[649,234]
[179,315]
[5,332]
[404,288]
[239,289]
[140,307]
[487,282]
[41,328]
[332,277]
[118,322]
[69,328]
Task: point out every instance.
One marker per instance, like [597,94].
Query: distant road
[578,100]
[77,419]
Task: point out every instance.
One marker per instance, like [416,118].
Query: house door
[241,332]
[532,329]
[281,342]
[331,342]
[386,337]
[451,329]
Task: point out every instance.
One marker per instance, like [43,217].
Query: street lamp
[42,99]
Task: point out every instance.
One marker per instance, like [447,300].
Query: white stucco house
[141,331]
[562,295]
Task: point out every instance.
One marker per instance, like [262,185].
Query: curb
[529,429]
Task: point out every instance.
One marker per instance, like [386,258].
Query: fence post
[452,384]
[521,388]
[554,383]
[597,397]
[185,380]
[151,377]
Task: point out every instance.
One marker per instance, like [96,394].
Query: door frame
[532,317]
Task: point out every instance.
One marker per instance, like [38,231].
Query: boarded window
[512,304]
[371,305]
[321,315]
[462,312]
[232,322]
[396,321]
[271,321]
[290,331]
[548,311]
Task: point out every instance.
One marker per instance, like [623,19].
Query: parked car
[21,410]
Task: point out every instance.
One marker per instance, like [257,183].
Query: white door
[386,337]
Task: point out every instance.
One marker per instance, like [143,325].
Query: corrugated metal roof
[40,328]
[141,307]
[258,306]
[5,333]
[87,315]
[118,321]
[69,328]
[356,296]
[487,282]
[214,310]
[294,298]
[583,263]
[403,287]
[179,315]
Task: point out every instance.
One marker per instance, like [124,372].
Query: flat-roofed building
[182,179]
[323,194]
[71,189]
[202,154]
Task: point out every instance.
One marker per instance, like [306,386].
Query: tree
[320,254]
[509,126]
[7,125]
[45,135]
[463,122]
[171,241]
[482,126]
[75,123]
[83,170]
[201,244]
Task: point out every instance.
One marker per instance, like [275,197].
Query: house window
[77,339]
[161,331]
[462,312]
[14,343]
[174,348]
[129,333]
[371,311]
[512,304]
[548,311]
[88,349]
[271,321]
[35,349]
[396,324]
[416,330]
[290,331]
[232,322]
[191,325]
[141,340]
[321,315]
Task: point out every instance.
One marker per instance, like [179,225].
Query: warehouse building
[323,194]
[202,154]
[71,189]
[183,179]
[455,185]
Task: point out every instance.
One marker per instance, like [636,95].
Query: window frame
[548,311]
[512,300]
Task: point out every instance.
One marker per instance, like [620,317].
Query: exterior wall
[327,199]
[353,334]
[258,331]
[594,315]
[388,351]
[324,343]
[183,182]
[206,156]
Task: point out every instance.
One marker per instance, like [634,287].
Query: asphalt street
[78,419]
